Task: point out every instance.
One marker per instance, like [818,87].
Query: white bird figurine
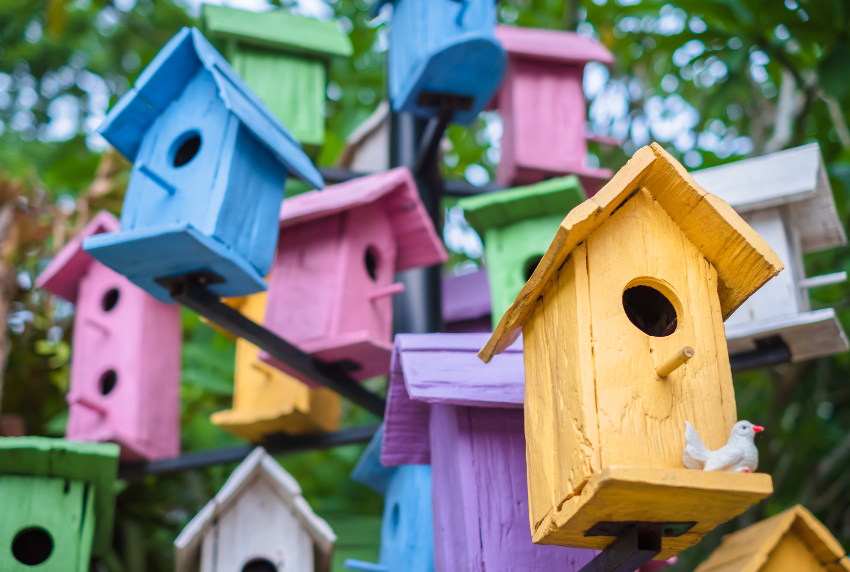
[738,455]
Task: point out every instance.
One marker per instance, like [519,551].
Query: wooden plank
[792,554]
[658,495]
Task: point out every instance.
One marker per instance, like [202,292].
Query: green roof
[95,463]
[278,30]
[494,210]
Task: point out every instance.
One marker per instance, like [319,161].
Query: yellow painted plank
[747,550]
[792,555]
[660,495]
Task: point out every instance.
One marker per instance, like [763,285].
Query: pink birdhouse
[542,106]
[125,366]
[331,285]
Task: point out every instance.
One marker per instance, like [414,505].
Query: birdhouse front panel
[407,533]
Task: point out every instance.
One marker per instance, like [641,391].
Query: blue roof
[369,471]
[164,80]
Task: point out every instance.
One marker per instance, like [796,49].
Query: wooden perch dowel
[680,358]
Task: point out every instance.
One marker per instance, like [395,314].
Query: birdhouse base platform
[356,352]
[255,427]
[148,255]
[663,495]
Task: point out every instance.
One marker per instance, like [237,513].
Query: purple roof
[443,368]
[466,297]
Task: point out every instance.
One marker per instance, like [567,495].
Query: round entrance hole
[110,299]
[370,260]
[531,266]
[108,381]
[259,565]
[32,546]
[650,311]
[187,146]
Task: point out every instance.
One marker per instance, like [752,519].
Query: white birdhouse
[258,522]
[786,198]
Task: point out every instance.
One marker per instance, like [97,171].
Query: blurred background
[712,80]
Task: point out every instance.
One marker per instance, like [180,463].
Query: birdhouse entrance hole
[108,381]
[259,565]
[110,299]
[650,311]
[370,259]
[531,266]
[186,147]
[32,546]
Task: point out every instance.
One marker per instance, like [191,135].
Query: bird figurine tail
[696,453]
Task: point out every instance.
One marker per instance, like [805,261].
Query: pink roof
[417,241]
[63,275]
[552,45]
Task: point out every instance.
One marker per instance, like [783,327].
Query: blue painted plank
[352,564]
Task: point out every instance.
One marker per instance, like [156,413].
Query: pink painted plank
[552,45]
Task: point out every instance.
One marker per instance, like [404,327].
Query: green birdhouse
[56,498]
[284,58]
[517,227]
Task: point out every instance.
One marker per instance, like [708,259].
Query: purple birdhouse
[466,303]
[125,369]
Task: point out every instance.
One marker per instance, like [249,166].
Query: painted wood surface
[517,226]
[743,260]
[542,107]
[331,285]
[466,302]
[367,149]
[441,48]
[258,513]
[189,112]
[268,401]
[284,59]
[125,365]
[790,541]
[33,476]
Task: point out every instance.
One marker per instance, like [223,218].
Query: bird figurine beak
[758,428]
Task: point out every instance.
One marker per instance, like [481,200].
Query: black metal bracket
[278,444]
[636,543]
[195,296]
[769,352]
[431,138]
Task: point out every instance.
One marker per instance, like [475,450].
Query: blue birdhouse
[407,531]
[444,53]
[209,166]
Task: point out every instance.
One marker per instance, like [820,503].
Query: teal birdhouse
[517,226]
[56,499]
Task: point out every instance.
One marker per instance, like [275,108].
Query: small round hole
[110,299]
[32,546]
[259,565]
[187,147]
[396,516]
[370,260]
[108,382]
[650,311]
[531,266]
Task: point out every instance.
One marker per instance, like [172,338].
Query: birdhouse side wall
[511,251]
[407,532]
[258,524]
[480,495]
[161,193]
[792,554]
[304,283]
[642,416]
[562,441]
[244,213]
[293,88]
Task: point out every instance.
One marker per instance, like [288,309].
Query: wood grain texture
[790,541]
[660,495]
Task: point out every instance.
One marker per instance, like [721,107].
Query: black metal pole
[631,550]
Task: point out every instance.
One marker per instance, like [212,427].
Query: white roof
[794,177]
[188,543]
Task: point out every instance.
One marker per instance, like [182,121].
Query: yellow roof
[744,262]
[747,550]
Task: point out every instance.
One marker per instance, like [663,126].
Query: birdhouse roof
[62,276]
[552,45]
[417,241]
[749,549]
[466,297]
[495,210]
[442,368]
[94,463]
[277,30]
[258,464]
[369,471]
[793,177]
[163,82]
[743,260]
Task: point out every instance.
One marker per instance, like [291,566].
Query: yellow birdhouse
[792,541]
[266,400]
[648,267]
